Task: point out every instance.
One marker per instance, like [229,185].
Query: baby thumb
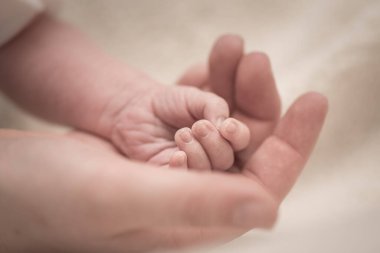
[206,105]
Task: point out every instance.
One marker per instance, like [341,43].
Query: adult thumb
[145,196]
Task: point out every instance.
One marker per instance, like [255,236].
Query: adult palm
[184,208]
[246,82]
[78,194]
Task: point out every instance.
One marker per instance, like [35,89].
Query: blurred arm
[55,72]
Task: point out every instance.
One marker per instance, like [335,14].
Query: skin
[154,126]
[87,197]
[208,146]
[77,84]
[246,82]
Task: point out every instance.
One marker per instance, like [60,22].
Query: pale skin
[207,146]
[76,193]
[138,115]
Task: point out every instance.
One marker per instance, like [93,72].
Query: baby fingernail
[231,126]
[186,136]
[202,129]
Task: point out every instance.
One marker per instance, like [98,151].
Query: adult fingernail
[186,136]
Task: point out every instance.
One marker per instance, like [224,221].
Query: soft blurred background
[331,46]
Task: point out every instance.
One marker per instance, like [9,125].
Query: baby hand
[206,147]
[145,128]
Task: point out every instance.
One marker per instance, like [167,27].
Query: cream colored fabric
[15,15]
[331,46]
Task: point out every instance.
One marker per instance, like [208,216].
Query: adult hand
[77,194]
[246,82]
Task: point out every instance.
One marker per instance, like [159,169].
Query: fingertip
[230,126]
[202,128]
[316,100]
[178,160]
[183,135]
[260,59]
[256,92]
[236,132]
[232,43]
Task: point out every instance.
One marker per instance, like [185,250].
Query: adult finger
[281,157]
[223,64]
[256,93]
[138,196]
